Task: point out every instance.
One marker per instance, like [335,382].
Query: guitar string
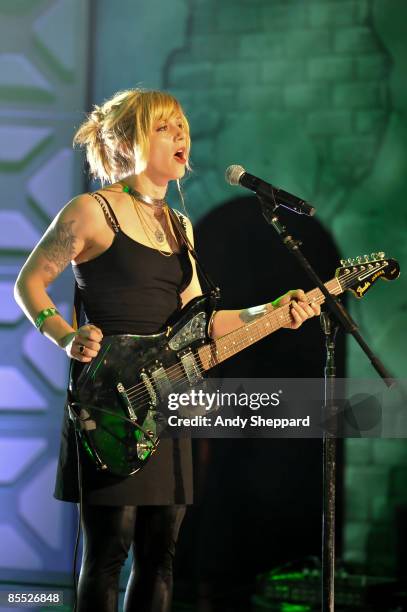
[172,369]
[133,395]
[233,350]
[175,382]
[239,343]
[281,317]
[180,382]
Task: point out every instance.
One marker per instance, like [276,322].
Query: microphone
[237,175]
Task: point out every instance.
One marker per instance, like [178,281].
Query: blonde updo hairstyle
[116,134]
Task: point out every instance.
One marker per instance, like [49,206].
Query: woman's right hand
[84,344]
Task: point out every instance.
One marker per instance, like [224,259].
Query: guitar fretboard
[218,350]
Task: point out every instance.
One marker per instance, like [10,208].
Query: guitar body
[119,397]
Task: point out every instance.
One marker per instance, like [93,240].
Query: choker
[143,198]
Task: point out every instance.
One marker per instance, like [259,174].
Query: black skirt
[166,479]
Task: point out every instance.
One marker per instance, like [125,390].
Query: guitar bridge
[125,398]
[150,388]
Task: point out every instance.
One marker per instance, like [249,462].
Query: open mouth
[180,155]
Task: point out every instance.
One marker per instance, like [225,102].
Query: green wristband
[44,314]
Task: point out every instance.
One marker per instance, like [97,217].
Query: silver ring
[81,349]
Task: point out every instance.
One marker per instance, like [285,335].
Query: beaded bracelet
[44,314]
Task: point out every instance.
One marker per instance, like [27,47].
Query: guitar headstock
[360,274]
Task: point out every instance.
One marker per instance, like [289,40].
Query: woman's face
[168,154]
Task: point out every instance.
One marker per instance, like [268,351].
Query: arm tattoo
[58,246]
[255,312]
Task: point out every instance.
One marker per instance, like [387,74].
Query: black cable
[78,531]
[114,414]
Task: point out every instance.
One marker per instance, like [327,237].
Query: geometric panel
[40,510]
[51,186]
[17,6]
[47,357]
[16,231]
[16,71]
[44,57]
[9,310]
[17,141]
[15,553]
[59,41]
[16,454]
[16,393]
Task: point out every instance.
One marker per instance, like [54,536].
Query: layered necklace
[158,204]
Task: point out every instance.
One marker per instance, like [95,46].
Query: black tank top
[131,288]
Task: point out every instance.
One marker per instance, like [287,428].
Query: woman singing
[133,275]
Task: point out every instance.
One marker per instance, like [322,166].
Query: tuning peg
[381,255]
[359,259]
[367,258]
[373,256]
[351,261]
[343,262]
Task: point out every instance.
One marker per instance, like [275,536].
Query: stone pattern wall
[375,484]
[301,92]
[319,62]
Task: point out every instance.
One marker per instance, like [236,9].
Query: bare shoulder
[83,207]
[83,215]
[69,234]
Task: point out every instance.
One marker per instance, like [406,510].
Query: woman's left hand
[300,309]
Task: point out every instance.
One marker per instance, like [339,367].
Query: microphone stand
[329,449]
[269,207]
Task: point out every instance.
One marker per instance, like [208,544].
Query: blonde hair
[116,134]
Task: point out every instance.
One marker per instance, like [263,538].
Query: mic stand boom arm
[269,210]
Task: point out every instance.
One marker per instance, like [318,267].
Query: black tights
[108,533]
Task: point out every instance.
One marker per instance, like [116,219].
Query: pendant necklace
[156,203]
[153,202]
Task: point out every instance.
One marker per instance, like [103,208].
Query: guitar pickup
[191,367]
[161,382]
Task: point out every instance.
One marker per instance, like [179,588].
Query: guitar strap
[179,223]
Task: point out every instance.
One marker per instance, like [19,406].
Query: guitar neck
[216,351]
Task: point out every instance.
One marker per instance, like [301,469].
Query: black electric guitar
[118,400]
